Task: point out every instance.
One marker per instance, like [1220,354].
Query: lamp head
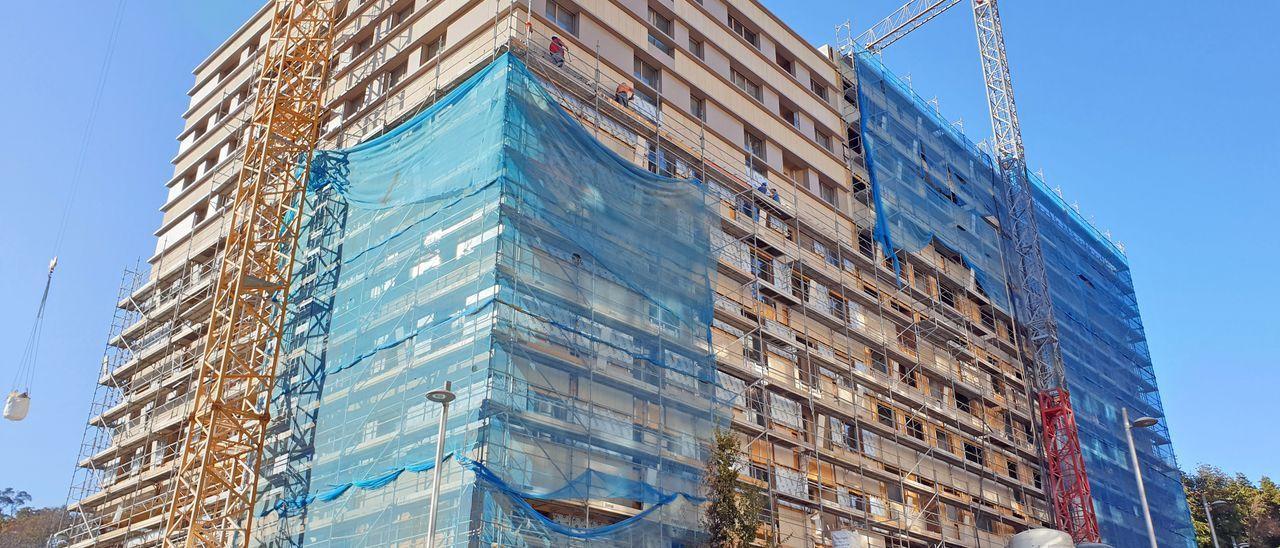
[1144,422]
[441,395]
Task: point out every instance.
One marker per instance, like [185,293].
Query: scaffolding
[665,145]
[876,392]
[1108,367]
[497,272]
[119,486]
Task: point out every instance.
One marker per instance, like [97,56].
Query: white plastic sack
[845,538]
[17,405]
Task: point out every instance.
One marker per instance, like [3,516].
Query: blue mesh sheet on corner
[930,184]
[493,243]
[1104,352]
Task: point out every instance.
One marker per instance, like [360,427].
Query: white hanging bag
[17,405]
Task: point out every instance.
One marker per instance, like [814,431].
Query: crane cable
[25,375]
[26,367]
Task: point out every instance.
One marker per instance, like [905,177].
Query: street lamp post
[1141,422]
[1208,516]
[442,396]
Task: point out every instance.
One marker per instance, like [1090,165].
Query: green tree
[11,500]
[732,517]
[30,527]
[1265,528]
[1251,513]
[22,527]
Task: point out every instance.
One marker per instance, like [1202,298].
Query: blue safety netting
[493,243]
[1104,352]
[930,184]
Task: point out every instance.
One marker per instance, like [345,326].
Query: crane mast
[216,488]
[1064,462]
[1068,481]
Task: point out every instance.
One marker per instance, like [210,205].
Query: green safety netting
[491,242]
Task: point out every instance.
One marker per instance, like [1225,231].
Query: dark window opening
[884,414]
[974,454]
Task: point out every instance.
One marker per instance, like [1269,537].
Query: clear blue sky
[1161,121]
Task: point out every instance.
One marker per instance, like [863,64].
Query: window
[905,373]
[658,161]
[351,106]
[907,338]
[791,116]
[944,441]
[698,107]
[984,523]
[884,414]
[696,48]
[1011,468]
[402,15]
[432,49]
[747,34]
[947,296]
[988,316]
[838,306]
[819,88]
[362,46]
[755,145]
[786,64]
[850,437]
[796,173]
[878,363]
[935,390]
[823,139]
[962,403]
[662,318]
[745,84]
[647,74]
[827,192]
[894,492]
[914,428]
[974,454]
[755,350]
[396,75]
[562,17]
[662,23]
[662,45]
[866,244]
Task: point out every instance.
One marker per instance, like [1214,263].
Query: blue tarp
[930,184]
[493,243]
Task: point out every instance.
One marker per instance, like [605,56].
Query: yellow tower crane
[213,499]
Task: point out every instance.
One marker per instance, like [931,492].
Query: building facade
[1104,350]
[879,395]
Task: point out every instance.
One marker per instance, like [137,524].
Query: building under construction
[764,235]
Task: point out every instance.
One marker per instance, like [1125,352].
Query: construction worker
[558,51]
[624,94]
